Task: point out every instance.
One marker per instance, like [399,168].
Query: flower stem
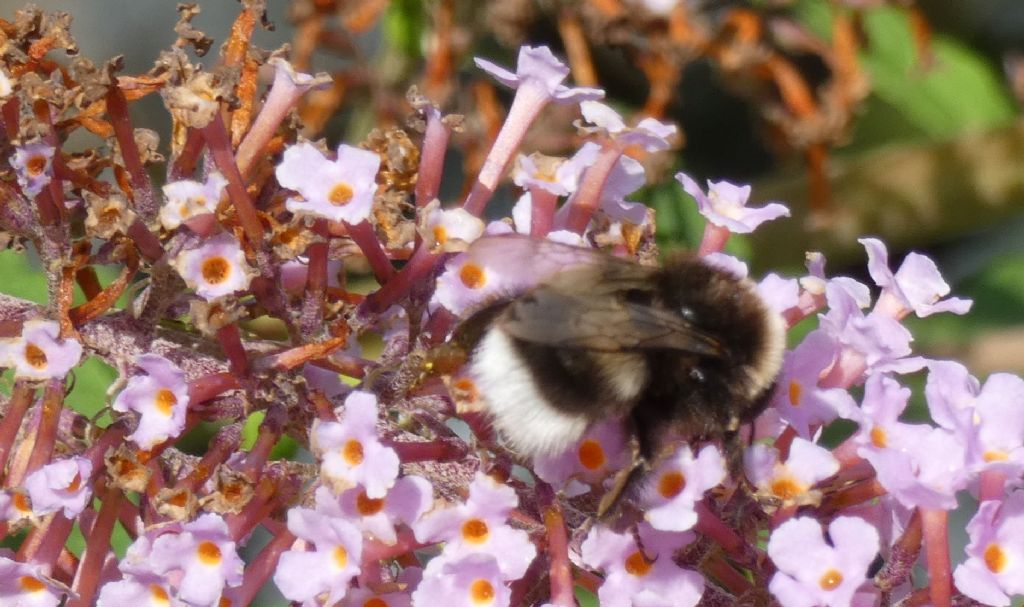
[21,397]
[935,523]
[216,136]
[142,189]
[97,547]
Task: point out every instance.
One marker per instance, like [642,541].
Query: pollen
[795,392]
[481,592]
[224,602]
[368,506]
[830,580]
[475,531]
[35,356]
[340,556]
[30,584]
[879,438]
[20,502]
[216,270]
[75,483]
[995,558]
[165,401]
[352,452]
[996,456]
[637,564]
[591,454]
[787,488]
[158,594]
[341,194]
[440,234]
[376,602]
[671,484]
[208,553]
[36,165]
[110,214]
[472,276]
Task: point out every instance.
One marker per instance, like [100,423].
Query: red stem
[185,164]
[562,586]
[210,387]
[21,399]
[46,435]
[219,144]
[362,234]
[97,547]
[435,144]
[415,270]
[935,525]
[143,195]
[230,338]
[542,215]
[260,569]
[589,195]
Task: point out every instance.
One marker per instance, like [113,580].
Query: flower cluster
[234,310]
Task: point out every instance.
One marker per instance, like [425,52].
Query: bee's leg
[624,479]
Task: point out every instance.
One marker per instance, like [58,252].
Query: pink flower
[145,590]
[350,451]
[33,165]
[160,397]
[404,504]
[338,190]
[916,286]
[995,556]
[38,353]
[798,398]
[635,578]
[725,205]
[26,584]
[650,134]
[601,451]
[204,553]
[187,199]
[449,230]
[61,485]
[216,268]
[539,70]
[478,527]
[472,581]
[813,572]
[327,570]
[678,484]
[790,482]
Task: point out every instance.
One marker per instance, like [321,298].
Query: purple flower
[325,572]
[632,578]
[995,555]
[338,190]
[61,485]
[472,581]
[916,285]
[814,572]
[559,176]
[204,553]
[38,353]
[798,399]
[216,268]
[678,484]
[649,134]
[33,165]
[449,230]
[779,293]
[350,451]
[26,584]
[538,69]
[15,505]
[361,597]
[725,205]
[405,503]
[149,590]
[187,199]
[602,450]
[790,482]
[478,527]
[160,397]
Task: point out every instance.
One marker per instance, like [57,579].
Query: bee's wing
[535,258]
[586,308]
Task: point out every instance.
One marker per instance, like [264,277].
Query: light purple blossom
[602,450]
[815,572]
[320,576]
[559,176]
[791,481]
[187,199]
[39,353]
[145,590]
[206,556]
[338,190]
[61,485]
[33,165]
[27,585]
[478,526]
[916,286]
[350,451]
[476,580]
[650,134]
[779,293]
[799,399]
[635,579]
[160,397]
[15,505]
[449,230]
[215,268]
[994,567]
[539,69]
[678,484]
[361,597]
[725,205]
[404,504]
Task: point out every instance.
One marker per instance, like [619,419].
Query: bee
[685,351]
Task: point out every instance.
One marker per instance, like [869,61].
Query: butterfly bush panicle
[402,490]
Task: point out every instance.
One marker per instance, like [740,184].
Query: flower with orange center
[602,449]
[60,485]
[338,190]
[448,231]
[32,164]
[351,452]
[216,268]
[325,568]
[790,482]
[678,483]
[188,199]
[378,518]
[204,552]
[994,570]
[27,584]
[39,353]
[473,580]
[159,396]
